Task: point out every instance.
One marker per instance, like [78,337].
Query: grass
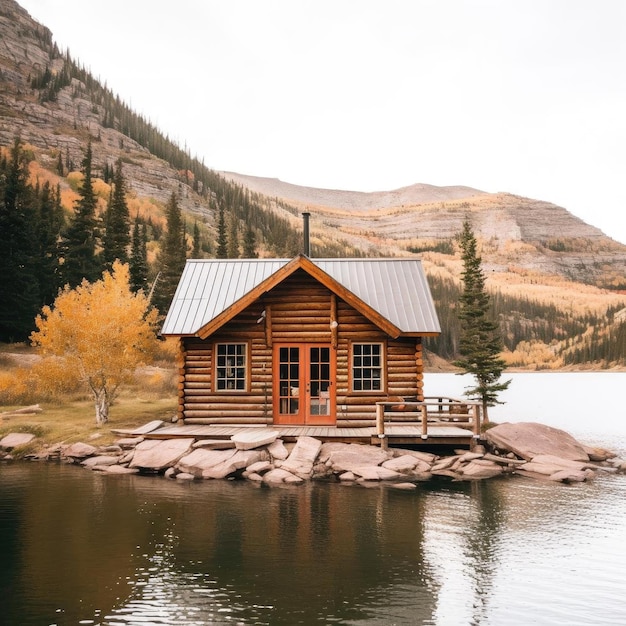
[71,417]
[74,420]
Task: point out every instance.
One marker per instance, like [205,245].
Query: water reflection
[78,546]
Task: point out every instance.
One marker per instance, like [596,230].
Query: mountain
[558,284]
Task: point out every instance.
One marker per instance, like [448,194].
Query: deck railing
[432,411]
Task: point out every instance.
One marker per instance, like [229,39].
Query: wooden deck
[395,434]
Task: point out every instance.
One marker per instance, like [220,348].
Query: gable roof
[392,293]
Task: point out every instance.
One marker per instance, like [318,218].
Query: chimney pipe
[307,241]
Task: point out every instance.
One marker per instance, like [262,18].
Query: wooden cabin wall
[297,311]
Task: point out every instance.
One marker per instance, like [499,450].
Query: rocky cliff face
[65,124]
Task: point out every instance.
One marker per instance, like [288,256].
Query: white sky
[524,96]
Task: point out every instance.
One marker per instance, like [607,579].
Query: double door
[304,384]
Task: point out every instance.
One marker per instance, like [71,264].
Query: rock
[376,472]
[254,438]
[254,477]
[466,457]
[529,439]
[170,472]
[444,463]
[277,450]
[347,477]
[241,459]
[479,470]
[200,459]
[80,451]
[425,457]
[598,455]
[344,457]
[278,476]
[159,454]
[94,461]
[300,461]
[564,463]
[260,467]
[403,486]
[117,469]
[405,463]
[185,476]
[569,476]
[15,440]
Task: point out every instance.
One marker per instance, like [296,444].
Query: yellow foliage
[15,386]
[99,332]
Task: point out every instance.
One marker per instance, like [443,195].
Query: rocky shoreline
[527,449]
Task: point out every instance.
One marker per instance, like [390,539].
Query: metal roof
[396,289]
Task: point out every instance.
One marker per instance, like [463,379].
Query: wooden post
[476,410]
[424,421]
[380,425]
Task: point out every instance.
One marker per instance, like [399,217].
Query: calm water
[80,548]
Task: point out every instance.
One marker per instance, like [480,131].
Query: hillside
[558,283]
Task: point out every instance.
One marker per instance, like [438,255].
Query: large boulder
[302,458]
[344,457]
[241,459]
[79,450]
[201,459]
[158,454]
[530,439]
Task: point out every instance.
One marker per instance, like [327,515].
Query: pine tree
[222,240]
[195,251]
[480,340]
[233,239]
[81,237]
[138,264]
[49,227]
[19,292]
[249,243]
[117,233]
[172,258]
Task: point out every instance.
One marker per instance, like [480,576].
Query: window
[367,359]
[231,361]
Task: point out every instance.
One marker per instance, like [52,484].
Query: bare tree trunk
[102,406]
[485,414]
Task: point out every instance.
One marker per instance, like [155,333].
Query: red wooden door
[304,384]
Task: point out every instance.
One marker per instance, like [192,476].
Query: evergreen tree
[233,239]
[222,240]
[480,340]
[117,232]
[138,264]
[172,258]
[19,292]
[81,237]
[195,252]
[49,227]
[249,243]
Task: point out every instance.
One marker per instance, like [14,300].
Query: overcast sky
[524,96]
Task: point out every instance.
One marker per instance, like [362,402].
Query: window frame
[246,367]
[382,367]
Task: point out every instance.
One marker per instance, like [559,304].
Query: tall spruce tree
[117,222]
[138,264]
[249,243]
[81,237]
[480,340]
[222,239]
[172,258]
[19,287]
[49,227]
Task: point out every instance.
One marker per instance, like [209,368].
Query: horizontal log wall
[300,311]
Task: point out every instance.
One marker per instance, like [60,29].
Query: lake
[77,547]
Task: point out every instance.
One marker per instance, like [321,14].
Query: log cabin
[305,341]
